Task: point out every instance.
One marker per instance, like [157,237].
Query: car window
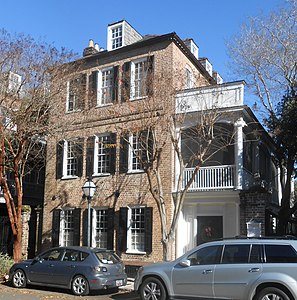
[53,255]
[71,255]
[206,256]
[280,254]
[236,254]
[107,257]
[256,254]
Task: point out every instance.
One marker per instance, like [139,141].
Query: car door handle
[50,266]
[71,266]
[252,270]
[206,272]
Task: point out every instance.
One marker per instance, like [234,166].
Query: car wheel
[272,293]
[19,279]
[152,289]
[80,286]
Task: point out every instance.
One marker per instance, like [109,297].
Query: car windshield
[107,257]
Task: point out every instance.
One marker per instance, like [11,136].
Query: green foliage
[5,263]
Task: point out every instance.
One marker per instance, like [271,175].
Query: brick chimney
[91,49]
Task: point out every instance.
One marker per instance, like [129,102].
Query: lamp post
[89,189]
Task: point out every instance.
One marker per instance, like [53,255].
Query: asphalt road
[7,292]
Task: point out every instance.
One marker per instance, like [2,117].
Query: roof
[152,40]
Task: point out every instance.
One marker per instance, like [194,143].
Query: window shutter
[147,147]
[93,87]
[76,229]
[150,76]
[115,84]
[85,227]
[125,88]
[124,148]
[90,156]
[110,228]
[113,150]
[79,155]
[148,227]
[59,159]
[122,232]
[56,227]
[82,91]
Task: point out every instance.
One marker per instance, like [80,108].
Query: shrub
[5,263]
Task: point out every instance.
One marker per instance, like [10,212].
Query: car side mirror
[185,263]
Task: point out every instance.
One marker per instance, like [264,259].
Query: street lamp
[89,190]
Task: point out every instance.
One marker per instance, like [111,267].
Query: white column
[239,124]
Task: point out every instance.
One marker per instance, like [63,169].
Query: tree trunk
[17,246]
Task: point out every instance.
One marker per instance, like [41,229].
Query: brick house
[103,100]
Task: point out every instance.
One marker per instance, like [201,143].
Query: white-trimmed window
[66,227]
[69,158]
[102,154]
[106,86]
[136,229]
[116,37]
[134,154]
[100,226]
[76,89]
[189,78]
[138,79]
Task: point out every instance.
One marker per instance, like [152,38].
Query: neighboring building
[105,99]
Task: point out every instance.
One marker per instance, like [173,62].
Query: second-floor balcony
[211,178]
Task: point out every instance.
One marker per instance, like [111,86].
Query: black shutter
[149,76]
[59,159]
[147,147]
[82,81]
[148,229]
[113,150]
[124,151]
[76,225]
[125,89]
[79,156]
[93,82]
[122,232]
[115,84]
[85,227]
[90,156]
[110,228]
[56,227]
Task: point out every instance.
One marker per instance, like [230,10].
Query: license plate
[119,282]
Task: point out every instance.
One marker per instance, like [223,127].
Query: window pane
[280,254]
[101,228]
[116,37]
[107,87]
[71,159]
[139,79]
[206,256]
[236,254]
[103,154]
[137,229]
[68,228]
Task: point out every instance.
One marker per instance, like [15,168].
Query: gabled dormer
[120,34]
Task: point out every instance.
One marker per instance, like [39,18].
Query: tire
[270,293]
[19,279]
[80,286]
[152,289]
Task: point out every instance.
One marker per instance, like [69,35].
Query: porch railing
[211,178]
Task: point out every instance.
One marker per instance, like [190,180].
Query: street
[7,292]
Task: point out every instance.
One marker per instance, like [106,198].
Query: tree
[30,87]
[159,128]
[264,51]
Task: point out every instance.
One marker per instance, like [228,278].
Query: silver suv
[239,268]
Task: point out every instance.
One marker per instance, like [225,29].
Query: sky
[71,23]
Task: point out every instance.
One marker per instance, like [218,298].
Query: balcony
[211,178]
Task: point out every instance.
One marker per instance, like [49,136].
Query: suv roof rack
[273,237]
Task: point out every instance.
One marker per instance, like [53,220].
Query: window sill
[135,171]
[104,105]
[135,252]
[101,175]
[138,98]
[68,177]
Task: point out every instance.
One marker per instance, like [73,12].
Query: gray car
[243,269]
[80,269]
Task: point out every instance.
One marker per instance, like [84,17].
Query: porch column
[239,124]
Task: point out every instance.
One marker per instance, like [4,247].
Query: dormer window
[117,37]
